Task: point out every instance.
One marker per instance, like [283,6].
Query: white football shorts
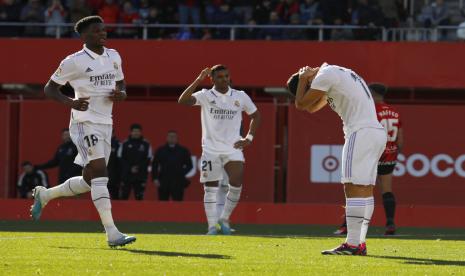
[212,165]
[93,141]
[360,155]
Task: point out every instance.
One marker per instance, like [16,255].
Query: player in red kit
[390,119]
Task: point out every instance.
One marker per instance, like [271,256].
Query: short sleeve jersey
[94,76]
[221,117]
[390,119]
[348,96]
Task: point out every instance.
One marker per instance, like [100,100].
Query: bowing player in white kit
[97,78]
[365,139]
[222,144]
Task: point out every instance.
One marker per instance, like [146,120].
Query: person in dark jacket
[29,179]
[170,165]
[135,155]
[114,172]
[63,159]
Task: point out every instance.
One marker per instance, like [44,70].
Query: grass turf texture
[79,248]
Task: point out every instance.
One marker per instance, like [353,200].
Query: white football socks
[232,198]
[355,212]
[209,203]
[71,187]
[369,208]
[101,199]
[221,199]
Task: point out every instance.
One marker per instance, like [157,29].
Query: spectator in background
[287,8]
[273,33]
[170,166]
[128,16]
[110,13]
[308,10]
[10,11]
[249,33]
[436,14]
[393,11]
[224,16]
[55,14]
[341,34]
[114,170]
[367,15]
[154,18]
[262,12]
[79,9]
[33,12]
[135,155]
[185,34]
[294,34]
[189,10]
[144,10]
[243,10]
[29,179]
[64,159]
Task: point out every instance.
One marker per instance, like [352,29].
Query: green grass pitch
[79,248]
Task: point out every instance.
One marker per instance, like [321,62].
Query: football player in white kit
[365,139]
[222,144]
[96,75]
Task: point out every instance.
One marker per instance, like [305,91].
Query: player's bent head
[378,88]
[217,68]
[83,24]
[292,83]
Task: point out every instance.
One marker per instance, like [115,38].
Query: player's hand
[81,104]
[308,72]
[242,143]
[117,95]
[205,73]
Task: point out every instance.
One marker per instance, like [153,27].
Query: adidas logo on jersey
[89,70]
[213,102]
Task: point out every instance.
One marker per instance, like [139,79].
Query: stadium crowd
[371,13]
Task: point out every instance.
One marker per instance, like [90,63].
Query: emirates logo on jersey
[103,80]
[223,114]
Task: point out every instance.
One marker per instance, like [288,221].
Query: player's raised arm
[308,99]
[186,97]
[52,91]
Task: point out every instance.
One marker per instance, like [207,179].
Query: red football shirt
[390,120]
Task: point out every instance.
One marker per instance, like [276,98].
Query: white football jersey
[221,118]
[348,95]
[91,75]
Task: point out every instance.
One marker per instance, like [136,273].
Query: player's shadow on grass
[158,253]
[176,254]
[420,261]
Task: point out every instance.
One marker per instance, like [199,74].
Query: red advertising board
[252,63]
[431,168]
[42,122]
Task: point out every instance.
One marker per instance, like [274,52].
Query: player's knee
[98,168]
[354,190]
